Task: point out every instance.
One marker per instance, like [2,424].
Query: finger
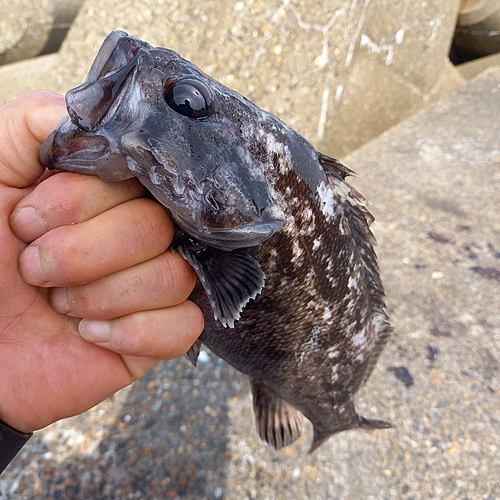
[161,333]
[24,124]
[59,376]
[65,199]
[164,281]
[121,237]
[137,366]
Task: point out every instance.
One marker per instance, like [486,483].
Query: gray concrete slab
[24,28]
[339,72]
[433,183]
[25,76]
[472,68]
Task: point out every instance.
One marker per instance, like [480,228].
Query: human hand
[96,251]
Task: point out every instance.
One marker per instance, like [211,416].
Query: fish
[288,278]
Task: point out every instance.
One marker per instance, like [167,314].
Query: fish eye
[189,97]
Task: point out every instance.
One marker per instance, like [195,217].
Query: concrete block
[29,28]
[478,28]
[472,68]
[340,72]
[24,28]
[25,76]
[433,182]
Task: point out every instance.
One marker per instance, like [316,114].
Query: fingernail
[94,331]
[59,300]
[26,221]
[29,264]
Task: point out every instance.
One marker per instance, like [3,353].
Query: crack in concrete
[267,36]
[357,32]
[322,61]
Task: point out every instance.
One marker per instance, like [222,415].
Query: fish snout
[70,149]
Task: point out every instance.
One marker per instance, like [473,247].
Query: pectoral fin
[277,421]
[230,279]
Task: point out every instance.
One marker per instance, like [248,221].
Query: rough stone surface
[339,72]
[25,76]
[24,28]
[433,182]
[471,69]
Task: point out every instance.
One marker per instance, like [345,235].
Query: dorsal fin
[333,166]
[277,421]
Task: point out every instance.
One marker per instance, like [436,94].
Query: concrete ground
[433,184]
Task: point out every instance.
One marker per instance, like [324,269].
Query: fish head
[145,112]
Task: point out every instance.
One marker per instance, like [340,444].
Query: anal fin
[278,423]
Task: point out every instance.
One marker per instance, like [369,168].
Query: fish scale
[288,277]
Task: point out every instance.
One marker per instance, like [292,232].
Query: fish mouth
[68,149]
[61,150]
[114,64]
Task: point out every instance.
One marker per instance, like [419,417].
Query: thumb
[24,124]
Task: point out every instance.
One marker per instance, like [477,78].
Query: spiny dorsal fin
[333,167]
[277,421]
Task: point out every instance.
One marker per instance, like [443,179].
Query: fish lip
[105,52]
[116,62]
[63,151]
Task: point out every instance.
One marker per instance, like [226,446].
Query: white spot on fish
[353,283]
[359,338]
[328,203]
[332,353]
[312,343]
[297,252]
[132,164]
[316,244]
[350,305]
[153,175]
[314,337]
[327,314]
[307,215]
[335,373]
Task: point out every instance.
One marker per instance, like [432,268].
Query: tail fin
[320,436]
[371,425]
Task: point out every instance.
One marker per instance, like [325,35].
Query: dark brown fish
[288,278]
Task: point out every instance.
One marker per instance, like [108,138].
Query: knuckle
[196,319]
[152,227]
[86,302]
